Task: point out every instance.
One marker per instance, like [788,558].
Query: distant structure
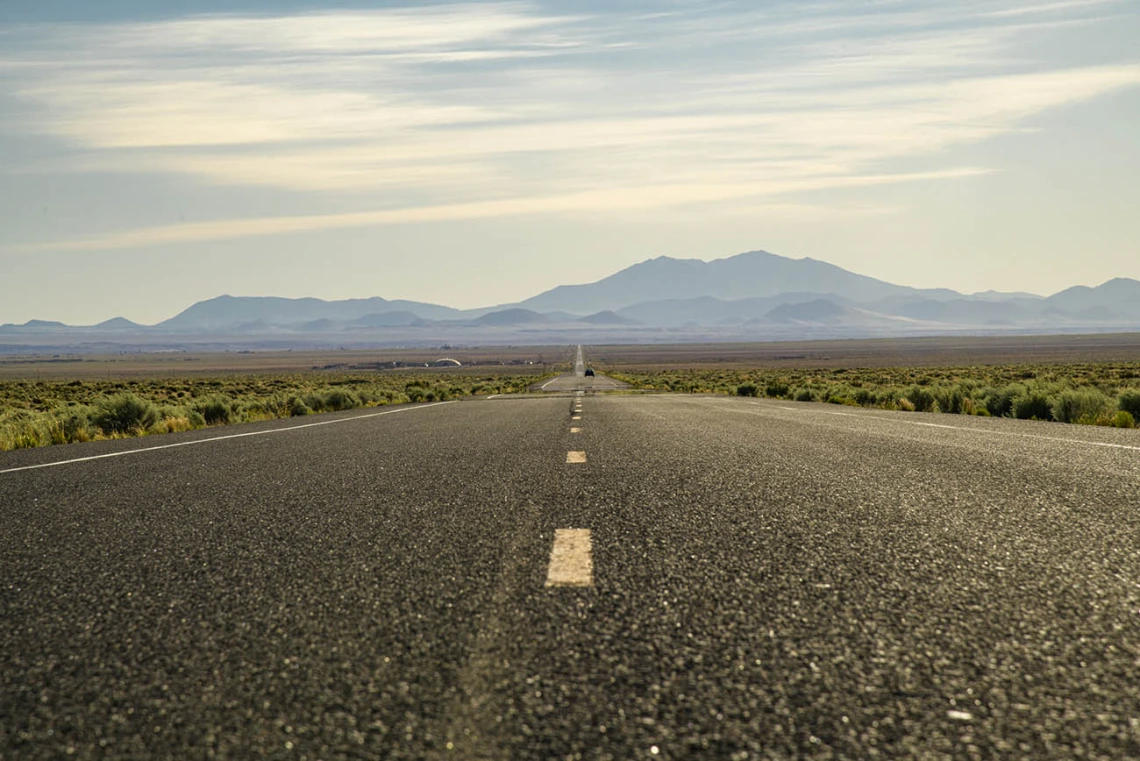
[447,362]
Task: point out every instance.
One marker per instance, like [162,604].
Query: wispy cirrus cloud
[517,108]
[620,199]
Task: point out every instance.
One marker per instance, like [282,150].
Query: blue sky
[154,154]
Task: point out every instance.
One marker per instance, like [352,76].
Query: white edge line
[222,438]
[962,428]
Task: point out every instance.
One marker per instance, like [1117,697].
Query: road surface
[644,577]
[578,380]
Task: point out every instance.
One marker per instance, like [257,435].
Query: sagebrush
[41,413]
[1086,393]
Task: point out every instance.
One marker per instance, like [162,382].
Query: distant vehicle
[589,372]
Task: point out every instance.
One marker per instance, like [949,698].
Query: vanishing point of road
[570,574]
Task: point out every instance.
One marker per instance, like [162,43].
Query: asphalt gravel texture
[771,581]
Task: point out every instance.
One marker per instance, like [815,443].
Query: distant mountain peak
[816,310]
[751,274]
[608,317]
[117,323]
[226,312]
[512,316]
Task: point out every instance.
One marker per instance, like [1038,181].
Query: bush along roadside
[1085,394]
[35,414]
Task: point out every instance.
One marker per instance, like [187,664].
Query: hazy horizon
[472,154]
[505,304]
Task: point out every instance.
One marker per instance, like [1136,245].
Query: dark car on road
[589,372]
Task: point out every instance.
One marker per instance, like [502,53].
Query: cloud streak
[650,197]
[516,108]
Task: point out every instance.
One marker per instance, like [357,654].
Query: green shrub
[314,401]
[1080,405]
[949,401]
[1130,402]
[71,425]
[1123,419]
[776,389]
[999,401]
[1032,406]
[805,395]
[216,409]
[298,408]
[338,399]
[124,412]
[271,407]
[922,399]
[747,389]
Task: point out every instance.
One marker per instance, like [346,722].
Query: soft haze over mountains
[751,296]
[751,275]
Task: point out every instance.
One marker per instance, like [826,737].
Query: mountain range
[755,295]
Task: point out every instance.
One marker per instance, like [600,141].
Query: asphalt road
[760,580]
[577,380]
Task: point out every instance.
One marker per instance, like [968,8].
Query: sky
[153,154]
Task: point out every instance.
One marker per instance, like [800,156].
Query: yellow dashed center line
[571,559]
[575,457]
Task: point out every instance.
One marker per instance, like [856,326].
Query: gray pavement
[577,380]
[768,580]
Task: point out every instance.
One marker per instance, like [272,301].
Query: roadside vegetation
[1106,394]
[41,413]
